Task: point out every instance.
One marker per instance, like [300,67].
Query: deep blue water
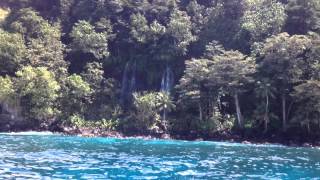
[41,156]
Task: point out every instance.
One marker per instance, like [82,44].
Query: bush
[148,109]
[79,122]
[217,124]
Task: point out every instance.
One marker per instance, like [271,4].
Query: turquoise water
[43,156]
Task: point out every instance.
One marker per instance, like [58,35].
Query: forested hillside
[183,67]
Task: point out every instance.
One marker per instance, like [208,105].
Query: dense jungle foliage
[162,66]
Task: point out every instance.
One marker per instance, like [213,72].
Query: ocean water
[49,156]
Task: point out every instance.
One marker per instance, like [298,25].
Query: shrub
[79,122]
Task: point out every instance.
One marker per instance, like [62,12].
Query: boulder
[306,145]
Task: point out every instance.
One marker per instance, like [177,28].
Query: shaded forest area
[183,67]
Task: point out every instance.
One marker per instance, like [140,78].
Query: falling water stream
[167,81]
[128,82]
[166,87]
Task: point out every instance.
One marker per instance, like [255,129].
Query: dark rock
[292,143]
[306,145]
[317,143]
[165,136]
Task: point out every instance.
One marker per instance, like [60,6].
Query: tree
[198,14]
[313,63]
[148,106]
[87,40]
[160,9]
[76,97]
[307,95]
[142,32]
[43,40]
[6,90]
[265,92]
[139,27]
[104,94]
[193,81]
[166,105]
[303,16]
[213,45]
[194,85]
[38,90]
[28,23]
[282,61]
[93,75]
[12,52]
[48,51]
[180,28]
[231,71]
[65,9]
[263,18]
[146,110]
[156,31]
[224,25]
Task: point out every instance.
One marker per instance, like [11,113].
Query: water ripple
[46,156]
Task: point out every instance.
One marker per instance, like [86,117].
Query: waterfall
[167,81]
[166,87]
[128,83]
[13,110]
[133,87]
[124,86]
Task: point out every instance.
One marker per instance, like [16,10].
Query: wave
[30,133]
[150,140]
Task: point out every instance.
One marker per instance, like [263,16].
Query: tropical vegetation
[181,67]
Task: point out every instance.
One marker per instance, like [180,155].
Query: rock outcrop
[9,116]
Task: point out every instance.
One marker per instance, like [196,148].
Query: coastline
[231,138]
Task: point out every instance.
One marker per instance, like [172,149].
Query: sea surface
[49,156]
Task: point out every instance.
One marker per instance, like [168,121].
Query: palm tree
[165,105]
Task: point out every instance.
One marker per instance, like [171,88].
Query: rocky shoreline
[220,137]
[232,138]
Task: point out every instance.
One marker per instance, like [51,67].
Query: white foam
[232,144]
[29,133]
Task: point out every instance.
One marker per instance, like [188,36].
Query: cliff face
[8,112]
[10,118]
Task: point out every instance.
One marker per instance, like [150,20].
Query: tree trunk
[219,103]
[308,124]
[266,115]
[289,109]
[164,121]
[200,112]
[284,117]
[239,115]
[308,127]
